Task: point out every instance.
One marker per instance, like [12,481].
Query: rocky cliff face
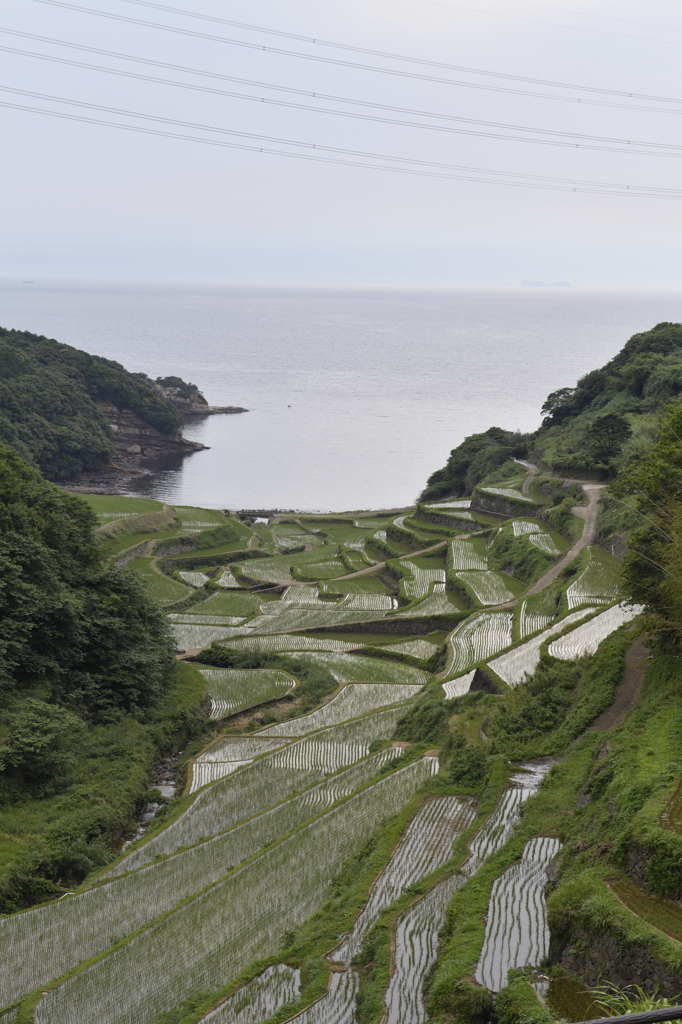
[193,404]
[135,439]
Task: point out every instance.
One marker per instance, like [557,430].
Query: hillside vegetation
[88,690]
[48,403]
[596,428]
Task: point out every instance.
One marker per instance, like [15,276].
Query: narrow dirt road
[628,689]
[589,514]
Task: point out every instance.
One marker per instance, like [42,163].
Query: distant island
[544,284]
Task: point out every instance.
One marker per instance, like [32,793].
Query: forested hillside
[596,428]
[88,690]
[48,404]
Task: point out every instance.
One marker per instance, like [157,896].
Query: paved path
[532,471]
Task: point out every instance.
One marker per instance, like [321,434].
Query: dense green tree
[606,436]
[478,455]
[72,631]
[585,428]
[48,403]
[653,566]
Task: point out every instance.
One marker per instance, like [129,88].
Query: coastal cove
[353,394]
[403,766]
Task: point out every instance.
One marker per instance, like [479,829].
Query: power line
[340,63]
[326,96]
[377,53]
[558,137]
[332,154]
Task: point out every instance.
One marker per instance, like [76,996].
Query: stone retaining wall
[599,957]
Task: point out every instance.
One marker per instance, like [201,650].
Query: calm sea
[354,396]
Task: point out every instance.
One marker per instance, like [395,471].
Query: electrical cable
[374,118]
[326,96]
[325,42]
[426,167]
[340,63]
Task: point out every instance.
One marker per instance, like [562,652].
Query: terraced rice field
[195,579]
[586,638]
[415,945]
[415,951]
[598,584]
[203,774]
[260,998]
[467,554]
[285,543]
[521,662]
[425,846]
[354,699]
[324,757]
[312,780]
[33,947]
[545,543]
[324,570]
[262,784]
[293,642]
[490,587]
[202,518]
[355,544]
[229,603]
[478,639]
[537,611]
[504,819]
[162,588]
[421,581]
[304,593]
[228,581]
[302,617]
[522,528]
[664,914]
[355,668]
[461,503]
[516,931]
[270,570]
[437,603]
[235,689]
[413,648]
[459,686]
[228,932]
[206,620]
[366,602]
[237,748]
[337,1006]
[506,492]
[192,636]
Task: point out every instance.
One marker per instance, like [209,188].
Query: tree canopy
[74,634]
[48,403]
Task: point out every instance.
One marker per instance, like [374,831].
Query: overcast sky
[86,199]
